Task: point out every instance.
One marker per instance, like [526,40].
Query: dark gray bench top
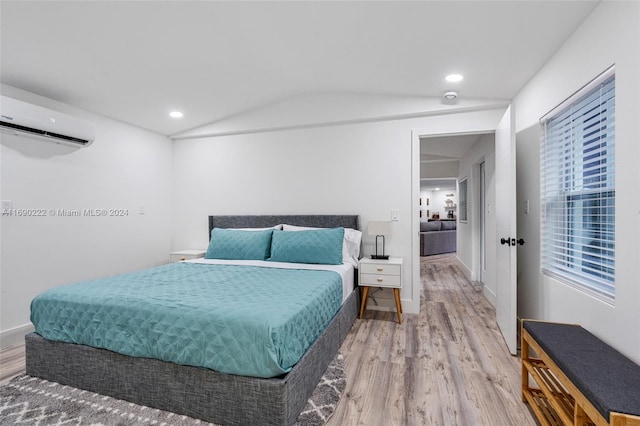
[608,379]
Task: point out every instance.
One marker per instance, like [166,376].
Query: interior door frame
[416,134]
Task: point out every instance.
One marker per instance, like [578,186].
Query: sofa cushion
[448,225]
[430,226]
[437,242]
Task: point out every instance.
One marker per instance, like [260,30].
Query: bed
[274,394]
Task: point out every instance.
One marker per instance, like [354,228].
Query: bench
[576,378]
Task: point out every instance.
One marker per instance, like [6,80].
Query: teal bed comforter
[244,320]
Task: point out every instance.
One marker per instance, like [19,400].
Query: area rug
[27,400]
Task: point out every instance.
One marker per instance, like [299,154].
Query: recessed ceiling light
[436,189]
[454,78]
[176,114]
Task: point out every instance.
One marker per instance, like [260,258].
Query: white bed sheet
[346,271]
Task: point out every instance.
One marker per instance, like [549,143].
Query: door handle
[506,241]
[511,241]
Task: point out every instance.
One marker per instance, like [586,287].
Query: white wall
[124,168]
[356,169]
[530,293]
[468,235]
[439,169]
[437,201]
[611,35]
[363,168]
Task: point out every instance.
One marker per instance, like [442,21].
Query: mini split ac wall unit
[24,119]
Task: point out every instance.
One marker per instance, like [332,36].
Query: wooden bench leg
[579,416]
[524,350]
[619,419]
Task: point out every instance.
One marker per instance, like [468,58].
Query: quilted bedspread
[244,320]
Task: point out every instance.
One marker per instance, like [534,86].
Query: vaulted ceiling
[138,60]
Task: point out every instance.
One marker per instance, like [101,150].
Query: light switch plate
[395,214]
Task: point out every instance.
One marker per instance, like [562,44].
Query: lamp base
[380,256]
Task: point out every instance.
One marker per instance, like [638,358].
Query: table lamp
[379,229]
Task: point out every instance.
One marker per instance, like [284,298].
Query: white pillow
[286,227]
[351,246]
[350,242]
[279,227]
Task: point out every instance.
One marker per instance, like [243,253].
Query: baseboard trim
[14,336]
[465,269]
[490,295]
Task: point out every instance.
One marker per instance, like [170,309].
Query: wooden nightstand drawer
[179,256]
[379,280]
[380,269]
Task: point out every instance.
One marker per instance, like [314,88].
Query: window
[578,189]
[462,200]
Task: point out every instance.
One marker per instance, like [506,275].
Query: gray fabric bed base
[196,392]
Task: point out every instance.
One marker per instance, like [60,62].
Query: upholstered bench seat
[598,378]
[608,379]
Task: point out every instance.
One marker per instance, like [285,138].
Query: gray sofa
[437,237]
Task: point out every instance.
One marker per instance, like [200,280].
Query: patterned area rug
[31,401]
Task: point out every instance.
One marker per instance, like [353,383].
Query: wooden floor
[446,366]
[11,363]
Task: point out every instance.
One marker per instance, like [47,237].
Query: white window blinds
[578,189]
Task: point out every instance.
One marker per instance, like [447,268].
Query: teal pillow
[235,244]
[320,246]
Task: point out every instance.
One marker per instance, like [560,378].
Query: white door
[505,211]
[483,224]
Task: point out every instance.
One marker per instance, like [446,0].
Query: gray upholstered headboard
[263,221]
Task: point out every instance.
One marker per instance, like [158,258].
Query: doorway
[478,251]
[497,185]
[456,158]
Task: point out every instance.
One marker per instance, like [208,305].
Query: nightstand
[180,255]
[380,273]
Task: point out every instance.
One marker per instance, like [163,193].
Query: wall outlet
[395,214]
[526,207]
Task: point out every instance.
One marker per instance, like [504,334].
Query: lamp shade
[379,228]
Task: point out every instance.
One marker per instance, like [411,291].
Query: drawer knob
[380,280]
[183,258]
[380,269]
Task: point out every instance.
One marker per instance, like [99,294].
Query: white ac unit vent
[24,119]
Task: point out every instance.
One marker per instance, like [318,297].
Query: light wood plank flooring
[446,366]
[11,363]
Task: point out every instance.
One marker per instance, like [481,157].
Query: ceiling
[441,184]
[138,60]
